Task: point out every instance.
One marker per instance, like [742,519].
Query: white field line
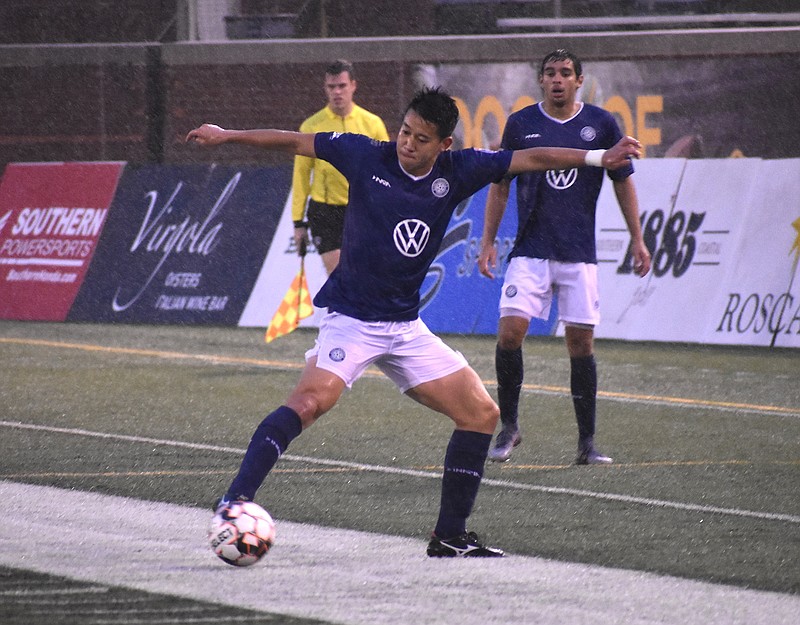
[644,501]
[345,576]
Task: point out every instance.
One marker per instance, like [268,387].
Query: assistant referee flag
[296,305]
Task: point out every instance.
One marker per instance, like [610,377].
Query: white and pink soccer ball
[241,533]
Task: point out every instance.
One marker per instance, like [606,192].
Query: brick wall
[100,111]
[73,112]
[83,21]
[273,96]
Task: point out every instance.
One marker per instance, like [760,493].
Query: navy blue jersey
[557,207]
[394,224]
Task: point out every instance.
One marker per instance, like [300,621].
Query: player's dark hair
[338,66]
[436,107]
[562,55]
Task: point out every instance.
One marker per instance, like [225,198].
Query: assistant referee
[319,191]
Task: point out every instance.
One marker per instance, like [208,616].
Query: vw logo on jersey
[411,236]
[337,354]
[588,133]
[561,178]
[440,187]
[511,290]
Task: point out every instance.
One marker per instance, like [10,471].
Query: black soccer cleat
[466,545]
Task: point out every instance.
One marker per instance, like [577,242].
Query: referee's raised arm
[298,143]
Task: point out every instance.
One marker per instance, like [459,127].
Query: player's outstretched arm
[541,159]
[270,139]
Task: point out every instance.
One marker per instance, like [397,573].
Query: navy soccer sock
[463,470]
[269,441]
[510,372]
[583,382]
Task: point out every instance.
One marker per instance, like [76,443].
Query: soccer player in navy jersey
[554,253]
[402,195]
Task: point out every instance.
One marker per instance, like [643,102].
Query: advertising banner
[213,245]
[277,272]
[725,252]
[51,217]
[455,297]
[761,302]
[183,244]
[724,235]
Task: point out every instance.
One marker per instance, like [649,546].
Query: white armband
[594,158]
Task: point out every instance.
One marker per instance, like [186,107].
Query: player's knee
[491,416]
[487,411]
[512,329]
[483,417]
[508,342]
[308,406]
[511,334]
[579,341]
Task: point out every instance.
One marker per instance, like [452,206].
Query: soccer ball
[241,533]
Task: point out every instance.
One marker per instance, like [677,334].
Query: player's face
[340,89]
[559,83]
[418,144]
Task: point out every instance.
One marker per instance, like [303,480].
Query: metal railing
[565,24]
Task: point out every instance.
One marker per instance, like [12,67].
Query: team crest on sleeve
[440,187]
[588,133]
[411,236]
[511,290]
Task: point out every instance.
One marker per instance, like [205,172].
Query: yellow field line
[699,402]
[154,353]
[260,362]
[664,399]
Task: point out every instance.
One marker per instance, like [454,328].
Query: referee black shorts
[326,222]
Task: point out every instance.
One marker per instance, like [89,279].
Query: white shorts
[530,284]
[406,351]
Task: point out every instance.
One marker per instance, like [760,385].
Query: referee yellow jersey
[319,179]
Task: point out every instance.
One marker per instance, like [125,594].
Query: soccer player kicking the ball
[402,195]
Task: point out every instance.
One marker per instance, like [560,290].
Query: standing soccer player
[402,195]
[554,253]
[319,191]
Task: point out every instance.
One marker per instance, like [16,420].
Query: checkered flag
[296,305]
